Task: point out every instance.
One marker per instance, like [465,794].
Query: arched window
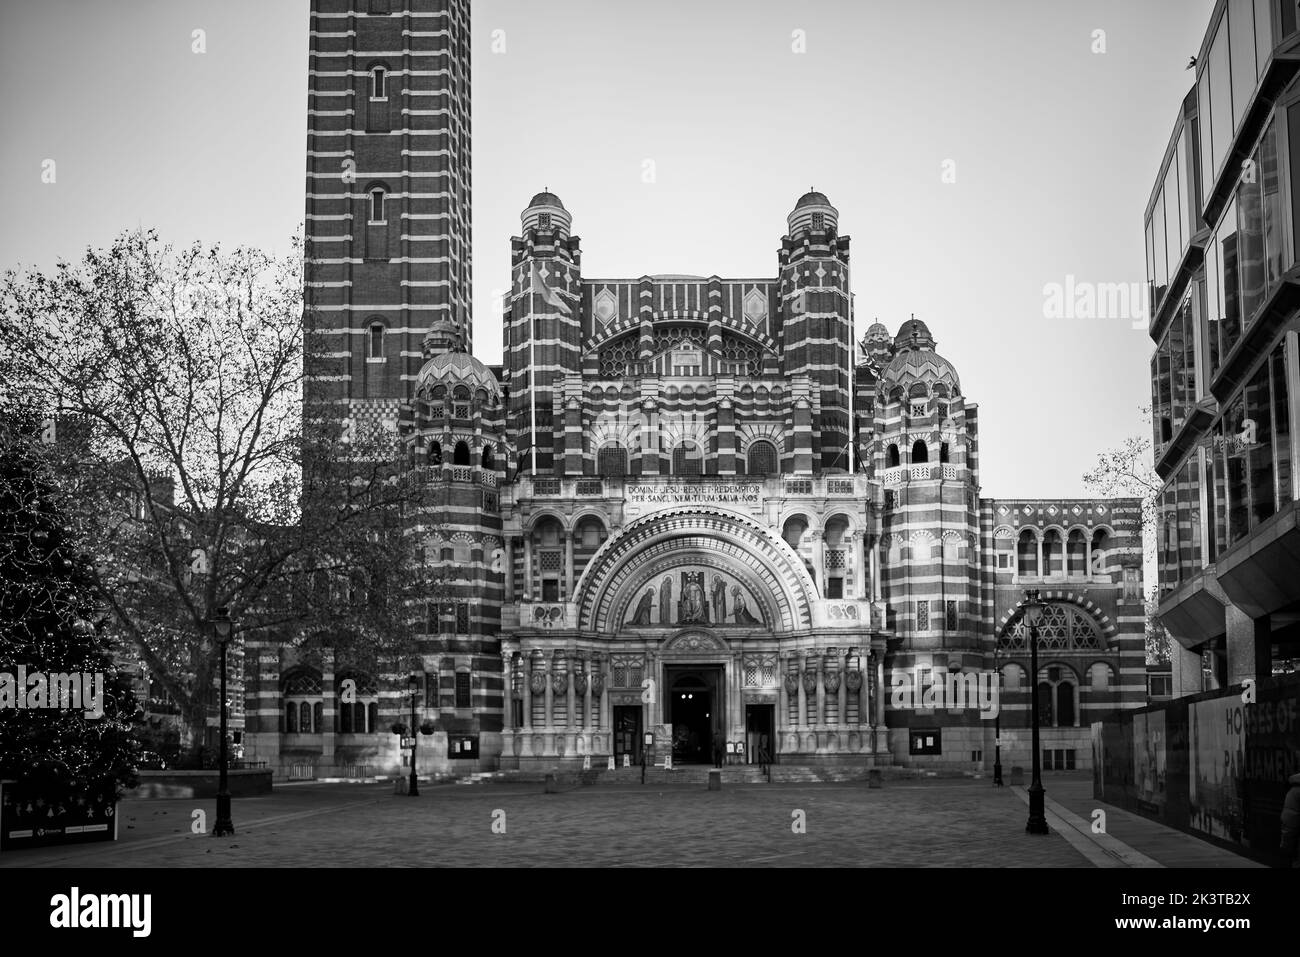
[794,529]
[377,205]
[461,455]
[362,692]
[891,457]
[301,689]
[435,453]
[378,83]
[1027,555]
[943,452]
[488,461]
[1056,697]
[1100,545]
[611,461]
[1076,546]
[920,452]
[376,340]
[1061,627]
[761,459]
[1053,554]
[1012,675]
[1100,676]
[688,459]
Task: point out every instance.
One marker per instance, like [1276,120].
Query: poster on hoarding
[1149,761]
[1216,767]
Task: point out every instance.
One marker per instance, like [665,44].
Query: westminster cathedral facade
[684,509]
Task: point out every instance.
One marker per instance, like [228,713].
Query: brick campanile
[817,323]
[388,197]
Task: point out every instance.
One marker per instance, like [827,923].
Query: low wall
[199,784]
[1214,765]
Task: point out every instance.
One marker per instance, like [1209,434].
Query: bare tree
[1130,471]
[171,387]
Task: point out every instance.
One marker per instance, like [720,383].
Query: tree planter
[399,728]
[427,727]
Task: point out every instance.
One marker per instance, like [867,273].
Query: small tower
[816,333]
[543,333]
[456,451]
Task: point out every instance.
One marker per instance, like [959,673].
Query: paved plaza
[927,823]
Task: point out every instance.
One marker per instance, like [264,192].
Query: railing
[362,771]
[302,771]
[435,474]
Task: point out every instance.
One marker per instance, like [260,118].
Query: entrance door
[627,733]
[760,732]
[693,709]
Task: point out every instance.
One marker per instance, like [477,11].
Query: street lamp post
[997,721]
[221,627]
[414,684]
[1033,609]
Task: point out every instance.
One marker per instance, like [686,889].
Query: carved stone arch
[731,541]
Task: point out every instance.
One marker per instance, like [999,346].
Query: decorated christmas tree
[67,712]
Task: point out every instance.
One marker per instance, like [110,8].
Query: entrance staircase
[698,775]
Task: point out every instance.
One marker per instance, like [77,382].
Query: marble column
[508,572]
[528,690]
[568,566]
[802,704]
[528,567]
[571,699]
[548,698]
[819,561]
[841,694]
[859,542]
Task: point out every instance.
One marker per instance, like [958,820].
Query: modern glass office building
[1221,249]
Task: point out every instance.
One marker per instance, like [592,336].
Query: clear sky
[1054,148]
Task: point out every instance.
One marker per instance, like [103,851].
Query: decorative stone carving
[580,683]
[597,684]
[853,679]
[537,682]
[831,680]
[810,682]
[792,682]
[560,682]
[694,642]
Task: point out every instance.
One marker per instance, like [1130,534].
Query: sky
[978,151]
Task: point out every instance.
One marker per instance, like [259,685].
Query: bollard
[627,759]
[550,785]
[1017,777]
[715,780]
[873,778]
[586,762]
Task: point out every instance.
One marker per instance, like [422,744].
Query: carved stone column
[812,693]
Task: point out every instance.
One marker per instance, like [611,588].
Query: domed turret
[914,334]
[457,368]
[916,361]
[813,212]
[878,344]
[546,212]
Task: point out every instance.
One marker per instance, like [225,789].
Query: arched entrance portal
[695,711]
